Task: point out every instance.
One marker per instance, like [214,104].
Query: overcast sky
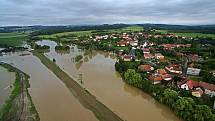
[76,12]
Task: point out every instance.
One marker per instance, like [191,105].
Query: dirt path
[89,101]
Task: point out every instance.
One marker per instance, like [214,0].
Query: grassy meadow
[12,39]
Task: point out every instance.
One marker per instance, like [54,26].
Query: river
[52,99]
[98,75]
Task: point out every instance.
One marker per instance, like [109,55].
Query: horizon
[94,12]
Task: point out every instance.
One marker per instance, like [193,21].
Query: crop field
[128,29]
[193,35]
[66,34]
[12,39]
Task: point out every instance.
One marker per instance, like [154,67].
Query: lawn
[12,39]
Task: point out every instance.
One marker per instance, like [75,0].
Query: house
[174,69]
[193,71]
[209,88]
[134,43]
[189,84]
[155,79]
[164,75]
[160,71]
[159,56]
[128,58]
[198,92]
[146,50]
[146,67]
[122,43]
[148,56]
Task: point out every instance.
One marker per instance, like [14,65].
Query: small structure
[159,56]
[198,92]
[146,67]
[128,58]
[193,71]
[155,79]
[174,69]
[148,56]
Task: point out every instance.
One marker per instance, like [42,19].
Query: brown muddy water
[6,81]
[52,99]
[99,77]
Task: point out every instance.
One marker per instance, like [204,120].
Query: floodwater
[6,81]
[97,74]
[52,99]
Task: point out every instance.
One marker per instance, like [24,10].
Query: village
[181,72]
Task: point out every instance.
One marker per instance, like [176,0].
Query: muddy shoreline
[19,106]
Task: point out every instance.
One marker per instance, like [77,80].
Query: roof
[148,55]
[155,78]
[158,54]
[145,67]
[161,71]
[191,84]
[207,86]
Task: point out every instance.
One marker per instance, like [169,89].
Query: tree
[184,108]
[203,113]
[132,77]
[169,97]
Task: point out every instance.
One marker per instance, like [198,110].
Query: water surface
[98,75]
[6,83]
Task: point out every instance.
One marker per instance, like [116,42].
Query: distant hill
[206,29]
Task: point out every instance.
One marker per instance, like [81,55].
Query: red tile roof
[145,67]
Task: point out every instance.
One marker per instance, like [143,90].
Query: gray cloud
[58,12]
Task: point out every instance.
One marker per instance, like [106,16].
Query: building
[128,58]
[146,67]
[122,43]
[189,84]
[193,71]
[146,50]
[159,56]
[148,56]
[155,79]
[198,92]
[174,69]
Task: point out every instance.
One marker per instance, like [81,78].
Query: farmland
[12,39]
[193,35]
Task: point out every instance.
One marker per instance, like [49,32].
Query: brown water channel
[53,101]
[98,76]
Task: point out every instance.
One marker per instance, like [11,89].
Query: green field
[127,29]
[66,34]
[193,35]
[12,39]
[88,33]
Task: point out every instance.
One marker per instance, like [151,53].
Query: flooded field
[52,99]
[6,82]
[97,74]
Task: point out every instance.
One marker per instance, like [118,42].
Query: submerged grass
[9,107]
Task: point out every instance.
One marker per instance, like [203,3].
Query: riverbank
[86,99]
[19,106]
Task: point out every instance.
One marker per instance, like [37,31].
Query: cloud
[55,12]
